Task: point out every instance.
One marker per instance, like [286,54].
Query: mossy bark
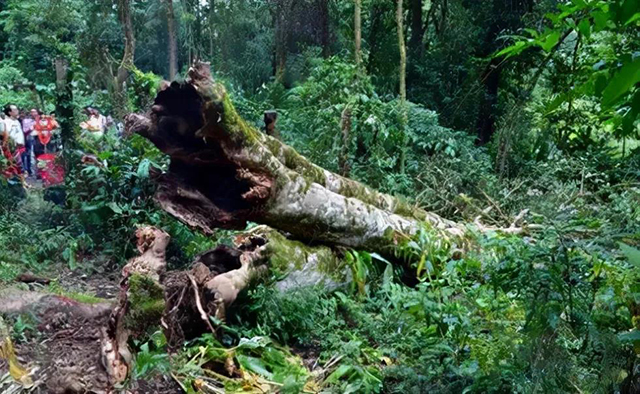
[225,173]
[260,255]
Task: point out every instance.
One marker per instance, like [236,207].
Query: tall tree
[173,49]
[281,34]
[325,33]
[357,30]
[121,106]
[64,103]
[417,28]
[403,83]
[282,10]
[504,16]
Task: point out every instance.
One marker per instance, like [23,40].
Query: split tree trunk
[225,173]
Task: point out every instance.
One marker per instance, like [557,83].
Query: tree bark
[282,36]
[173,48]
[325,31]
[403,85]
[345,125]
[417,29]
[64,102]
[224,173]
[121,107]
[489,100]
[357,31]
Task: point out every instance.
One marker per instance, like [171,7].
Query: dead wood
[225,173]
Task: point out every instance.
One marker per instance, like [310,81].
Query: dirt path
[60,340]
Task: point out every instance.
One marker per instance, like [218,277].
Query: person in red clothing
[44,127]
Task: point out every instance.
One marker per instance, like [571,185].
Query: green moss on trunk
[146,304]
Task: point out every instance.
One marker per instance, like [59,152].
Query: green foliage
[23,327]
[34,236]
[261,362]
[595,40]
[554,310]
[146,304]
[152,357]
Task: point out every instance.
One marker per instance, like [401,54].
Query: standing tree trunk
[325,32]
[224,173]
[489,101]
[121,102]
[357,30]
[64,105]
[345,125]
[403,85]
[417,29]
[212,11]
[173,49]
[283,8]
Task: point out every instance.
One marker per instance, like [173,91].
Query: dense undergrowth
[554,310]
[552,90]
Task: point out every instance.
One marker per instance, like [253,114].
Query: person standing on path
[13,130]
[28,124]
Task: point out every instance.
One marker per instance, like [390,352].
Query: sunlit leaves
[621,83]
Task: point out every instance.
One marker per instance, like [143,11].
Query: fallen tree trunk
[183,302]
[225,173]
[260,255]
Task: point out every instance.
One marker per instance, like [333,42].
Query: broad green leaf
[634,18]
[550,41]
[631,253]
[115,207]
[584,27]
[143,168]
[601,19]
[621,83]
[579,3]
[513,50]
[631,336]
[254,364]
[628,10]
[339,373]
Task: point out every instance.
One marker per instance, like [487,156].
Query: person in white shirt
[13,135]
[13,126]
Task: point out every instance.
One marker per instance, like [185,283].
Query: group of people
[30,140]
[96,123]
[25,136]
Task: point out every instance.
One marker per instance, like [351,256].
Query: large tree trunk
[488,101]
[173,48]
[224,173]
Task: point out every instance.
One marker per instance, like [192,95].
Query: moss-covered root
[266,255]
[140,303]
[146,305]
